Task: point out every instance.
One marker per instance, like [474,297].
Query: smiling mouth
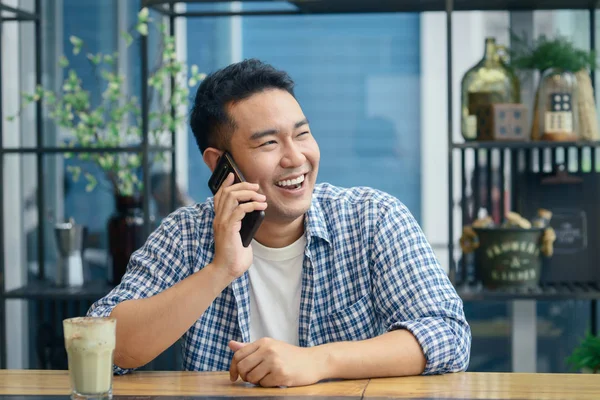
[292,184]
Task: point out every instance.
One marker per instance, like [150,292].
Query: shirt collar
[314,223]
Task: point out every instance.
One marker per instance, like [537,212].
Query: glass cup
[90,344]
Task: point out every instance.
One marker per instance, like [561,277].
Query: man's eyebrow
[269,132]
[301,123]
[262,134]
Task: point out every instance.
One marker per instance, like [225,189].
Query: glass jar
[489,81]
[557,116]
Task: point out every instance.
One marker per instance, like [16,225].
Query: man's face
[273,146]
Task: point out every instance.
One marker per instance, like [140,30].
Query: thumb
[235,346]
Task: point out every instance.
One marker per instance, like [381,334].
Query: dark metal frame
[146,148]
[375,6]
[18,15]
[513,152]
[167,8]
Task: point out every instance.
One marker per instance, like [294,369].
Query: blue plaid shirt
[368,269]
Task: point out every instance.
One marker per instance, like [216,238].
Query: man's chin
[285,214]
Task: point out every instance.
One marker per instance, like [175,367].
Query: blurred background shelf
[555,291]
[525,145]
[352,6]
[45,290]
[380,6]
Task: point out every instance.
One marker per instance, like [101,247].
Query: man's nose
[293,157]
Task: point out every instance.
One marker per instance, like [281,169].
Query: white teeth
[291,182]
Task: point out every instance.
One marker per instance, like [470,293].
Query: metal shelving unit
[298,7]
[510,152]
[40,290]
[524,145]
[51,300]
[544,292]
[11,14]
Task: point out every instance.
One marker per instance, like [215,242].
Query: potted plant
[564,107]
[586,356]
[115,121]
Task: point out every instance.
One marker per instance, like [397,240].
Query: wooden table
[201,385]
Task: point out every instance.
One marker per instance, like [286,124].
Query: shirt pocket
[355,322]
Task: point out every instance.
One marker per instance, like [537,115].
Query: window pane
[357,80]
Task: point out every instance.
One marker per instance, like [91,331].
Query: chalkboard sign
[576,220]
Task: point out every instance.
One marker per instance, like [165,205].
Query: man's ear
[211,157]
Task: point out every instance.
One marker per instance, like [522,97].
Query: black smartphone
[251,221]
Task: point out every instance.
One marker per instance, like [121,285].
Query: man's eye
[267,143]
[304,133]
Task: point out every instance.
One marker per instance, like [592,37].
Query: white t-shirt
[275,287]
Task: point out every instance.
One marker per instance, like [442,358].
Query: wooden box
[502,121]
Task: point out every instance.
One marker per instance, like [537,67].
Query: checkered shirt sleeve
[157,265]
[413,292]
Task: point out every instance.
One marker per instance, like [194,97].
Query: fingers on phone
[226,183]
[245,208]
[242,186]
[242,196]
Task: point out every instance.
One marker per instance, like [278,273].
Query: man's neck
[277,234]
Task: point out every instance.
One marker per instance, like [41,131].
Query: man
[338,283]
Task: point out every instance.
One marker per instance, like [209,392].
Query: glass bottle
[557,106]
[125,234]
[489,81]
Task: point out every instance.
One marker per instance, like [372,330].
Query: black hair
[210,123]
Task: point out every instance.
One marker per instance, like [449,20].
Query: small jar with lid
[557,108]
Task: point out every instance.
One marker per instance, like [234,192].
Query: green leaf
[10,118]
[176,68]
[77,44]
[194,69]
[63,62]
[170,42]
[135,161]
[192,82]
[173,125]
[75,41]
[134,131]
[107,75]
[92,182]
[162,27]
[109,59]
[127,37]
[160,157]
[106,162]
[95,59]
[142,29]
[84,118]
[75,171]
[544,53]
[50,98]
[73,78]
[143,15]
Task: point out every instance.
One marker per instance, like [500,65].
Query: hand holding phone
[251,220]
